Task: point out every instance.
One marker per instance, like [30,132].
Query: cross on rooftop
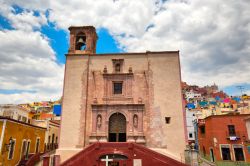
[107,160]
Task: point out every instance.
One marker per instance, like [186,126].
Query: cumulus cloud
[212,36]
[27,62]
[213,39]
[25,20]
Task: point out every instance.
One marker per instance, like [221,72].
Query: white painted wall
[190,116]
[14,111]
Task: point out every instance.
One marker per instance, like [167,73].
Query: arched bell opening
[117,128]
[81,42]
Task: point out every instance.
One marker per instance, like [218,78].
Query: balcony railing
[50,146]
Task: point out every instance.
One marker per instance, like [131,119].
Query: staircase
[24,160]
[134,153]
[31,160]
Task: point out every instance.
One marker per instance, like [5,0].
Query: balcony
[50,147]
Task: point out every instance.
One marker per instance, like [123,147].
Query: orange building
[224,138]
[19,140]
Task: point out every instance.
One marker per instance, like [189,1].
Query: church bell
[80,41]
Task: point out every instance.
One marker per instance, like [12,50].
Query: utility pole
[241,88]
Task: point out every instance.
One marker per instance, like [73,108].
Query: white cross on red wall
[107,160]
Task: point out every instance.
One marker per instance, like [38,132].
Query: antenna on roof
[241,88]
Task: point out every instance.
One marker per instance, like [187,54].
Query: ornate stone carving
[139,100]
[102,126]
[105,69]
[130,70]
[99,121]
[135,121]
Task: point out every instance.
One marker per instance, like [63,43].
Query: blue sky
[211,50]
[60,44]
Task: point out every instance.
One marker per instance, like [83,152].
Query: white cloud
[25,20]
[212,36]
[27,62]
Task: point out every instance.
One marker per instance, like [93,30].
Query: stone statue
[135,121]
[99,121]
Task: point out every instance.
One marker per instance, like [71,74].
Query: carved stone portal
[117,123]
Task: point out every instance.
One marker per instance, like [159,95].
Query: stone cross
[107,160]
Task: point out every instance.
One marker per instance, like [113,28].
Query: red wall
[90,155]
[217,127]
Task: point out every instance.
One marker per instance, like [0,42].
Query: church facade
[123,97]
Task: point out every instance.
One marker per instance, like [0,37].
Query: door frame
[211,152]
[117,134]
[242,147]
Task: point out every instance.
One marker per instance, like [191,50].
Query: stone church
[120,98]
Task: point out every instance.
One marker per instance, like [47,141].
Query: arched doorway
[117,128]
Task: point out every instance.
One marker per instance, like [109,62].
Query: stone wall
[150,79]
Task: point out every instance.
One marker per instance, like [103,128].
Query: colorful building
[18,140]
[15,112]
[52,132]
[190,118]
[224,138]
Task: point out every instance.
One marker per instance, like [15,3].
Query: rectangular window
[24,147]
[24,119]
[37,144]
[202,129]
[231,130]
[248,149]
[190,135]
[27,150]
[238,153]
[117,86]
[167,120]
[53,137]
[12,149]
[225,151]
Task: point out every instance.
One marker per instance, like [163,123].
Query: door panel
[117,128]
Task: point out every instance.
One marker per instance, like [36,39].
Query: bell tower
[82,40]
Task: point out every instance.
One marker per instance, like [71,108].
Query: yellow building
[52,133]
[18,139]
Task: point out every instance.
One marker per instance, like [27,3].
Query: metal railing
[50,147]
